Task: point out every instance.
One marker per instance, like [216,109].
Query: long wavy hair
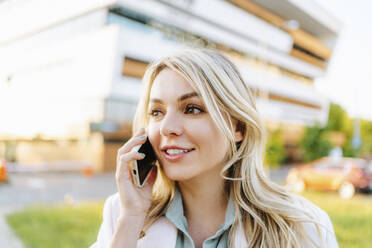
[266,212]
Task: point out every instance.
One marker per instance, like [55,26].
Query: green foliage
[366,134]
[314,143]
[348,127]
[275,151]
[63,226]
[351,219]
[348,150]
[337,118]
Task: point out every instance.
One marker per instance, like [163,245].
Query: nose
[171,124]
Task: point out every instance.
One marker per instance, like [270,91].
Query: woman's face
[182,133]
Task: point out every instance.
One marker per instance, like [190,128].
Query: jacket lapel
[163,234]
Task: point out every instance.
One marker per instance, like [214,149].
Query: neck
[204,197]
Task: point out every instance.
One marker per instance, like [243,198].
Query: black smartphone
[141,168]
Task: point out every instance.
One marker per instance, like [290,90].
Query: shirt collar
[175,213]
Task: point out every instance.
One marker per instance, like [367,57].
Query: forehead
[169,82]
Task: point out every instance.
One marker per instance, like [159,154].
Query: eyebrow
[180,99]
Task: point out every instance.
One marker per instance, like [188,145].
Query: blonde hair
[267,213]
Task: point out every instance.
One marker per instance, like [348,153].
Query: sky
[349,78]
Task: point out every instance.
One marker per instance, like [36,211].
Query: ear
[238,132]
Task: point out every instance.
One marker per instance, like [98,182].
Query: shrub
[315,143]
[275,150]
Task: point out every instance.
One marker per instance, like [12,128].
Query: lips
[177,151]
[176,157]
[164,148]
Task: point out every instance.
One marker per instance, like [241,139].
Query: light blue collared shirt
[176,215]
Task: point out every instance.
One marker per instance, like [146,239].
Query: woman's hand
[134,201]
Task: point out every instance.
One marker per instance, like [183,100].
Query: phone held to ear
[141,169]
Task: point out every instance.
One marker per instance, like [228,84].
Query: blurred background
[70,79]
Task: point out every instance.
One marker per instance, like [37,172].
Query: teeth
[176,151]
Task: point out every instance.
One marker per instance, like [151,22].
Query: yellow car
[344,175]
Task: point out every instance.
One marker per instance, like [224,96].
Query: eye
[194,110]
[154,113]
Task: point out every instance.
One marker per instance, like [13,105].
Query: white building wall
[190,23]
[19,19]
[49,64]
[58,85]
[243,23]
[139,41]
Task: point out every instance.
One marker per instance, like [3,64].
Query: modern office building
[70,71]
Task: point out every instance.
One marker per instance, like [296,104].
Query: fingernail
[142,154]
[142,137]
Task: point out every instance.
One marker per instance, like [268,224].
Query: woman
[209,188]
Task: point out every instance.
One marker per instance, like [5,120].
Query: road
[35,188]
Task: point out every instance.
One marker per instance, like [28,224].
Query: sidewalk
[7,237]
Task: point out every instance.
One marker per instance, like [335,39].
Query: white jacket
[163,233]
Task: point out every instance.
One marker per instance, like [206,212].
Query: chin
[177,174]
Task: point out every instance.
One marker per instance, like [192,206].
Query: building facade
[70,71]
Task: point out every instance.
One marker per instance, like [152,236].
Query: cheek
[154,137]
[153,134]
[205,134]
[217,143]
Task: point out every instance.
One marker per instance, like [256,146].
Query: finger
[126,158]
[139,133]
[124,163]
[132,142]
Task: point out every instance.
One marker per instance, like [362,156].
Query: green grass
[67,226]
[62,226]
[352,219]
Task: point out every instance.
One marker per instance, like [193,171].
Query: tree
[315,143]
[275,151]
[366,134]
[337,118]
